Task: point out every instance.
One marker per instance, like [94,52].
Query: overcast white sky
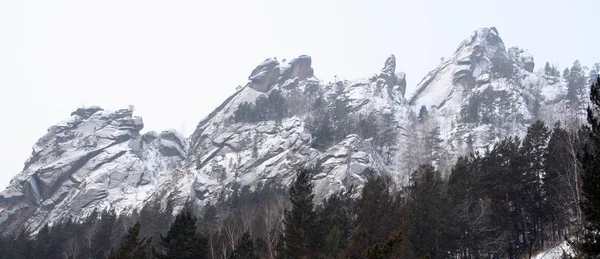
[175,61]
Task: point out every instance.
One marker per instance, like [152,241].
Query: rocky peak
[391,80]
[272,72]
[86,112]
[90,158]
[479,58]
[482,42]
[389,67]
[521,59]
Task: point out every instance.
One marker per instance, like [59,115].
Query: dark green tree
[132,247]
[385,250]
[375,219]
[182,241]
[470,213]
[336,218]
[42,243]
[428,214]
[535,200]
[590,162]
[301,237]
[245,112]
[102,238]
[276,108]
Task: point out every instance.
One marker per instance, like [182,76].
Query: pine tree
[594,72]
[558,181]
[336,217]
[388,137]
[533,153]
[433,145]
[576,87]
[42,243]
[547,69]
[385,250]
[428,214]
[566,73]
[470,213]
[245,248]
[182,241]
[101,240]
[590,161]
[502,183]
[374,216]
[423,113]
[132,247]
[301,237]
[276,108]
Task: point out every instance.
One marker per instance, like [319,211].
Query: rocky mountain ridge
[285,118]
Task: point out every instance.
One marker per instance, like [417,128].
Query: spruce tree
[533,153]
[428,214]
[547,69]
[41,248]
[374,216]
[590,162]
[576,86]
[182,241]
[101,240]
[385,250]
[301,237]
[336,217]
[558,179]
[132,247]
[469,218]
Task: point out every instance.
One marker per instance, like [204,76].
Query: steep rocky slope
[228,151]
[95,159]
[484,92]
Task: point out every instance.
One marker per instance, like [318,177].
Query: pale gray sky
[175,61]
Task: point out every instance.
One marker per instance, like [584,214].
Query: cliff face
[94,160]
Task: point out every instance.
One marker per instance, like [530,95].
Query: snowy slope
[556,252]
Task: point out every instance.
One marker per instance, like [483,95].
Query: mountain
[285,118]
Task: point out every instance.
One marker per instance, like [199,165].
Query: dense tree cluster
[551,70]
[272,107]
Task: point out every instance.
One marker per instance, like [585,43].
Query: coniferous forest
[520,197]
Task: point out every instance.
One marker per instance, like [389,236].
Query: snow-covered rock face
[271,72]
[484,93]
[95,159]
[226,154]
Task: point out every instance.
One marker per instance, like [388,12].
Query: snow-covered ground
[555,252]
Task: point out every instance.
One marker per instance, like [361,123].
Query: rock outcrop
[271,72]
[94,160]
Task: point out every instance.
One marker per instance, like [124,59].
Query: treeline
[271,107]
